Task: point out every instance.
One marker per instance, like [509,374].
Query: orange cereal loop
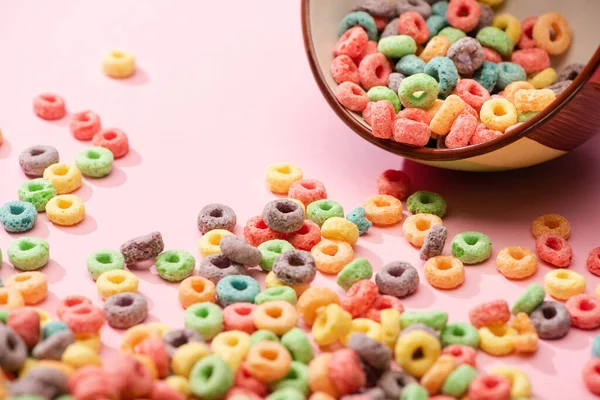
[136,335]
[435,377]
[444,118]
[444,272]
[196,289]
[11,298]
[527,339]
[437,47]
[279,177]
[318,377]
[516,262]
[268,361]
[320,396]
[32,285]
[553,224]
[383,210]
[514,87]
[416,227]
[552,33]
[332,255]
[433,110]
[57,365]
[276,316]
[498,114]
[312,300]
[533,100]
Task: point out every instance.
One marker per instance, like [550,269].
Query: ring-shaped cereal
[383,302]
[68,302]
[510,25]
[136,335]
[442,121]
[312,300]
[332,255]
[231,346]
[526,341]
[497,339]
[363,325]
[116,281]
[390,326]
[444,272]
[435,377]
[542,33]
[32,285]
[553,224]
[196,289]
[11,298]
[498,114]
[463,14]
[516,262]
[65,210]
[338,228]
[318,376]
[276,316]
[421,83]
[49,106]
[383,210]
[186,355]
[114,140]
[512,88]
[331,324]
[118,64]
[533,100]
[84,318]
[416,227]
[543,79]
[238,316]
[279,177]
[563,284]
[360,297]
[268,361]
[519,381]
[209,242]
[271,281]
[421,343]
[66,178]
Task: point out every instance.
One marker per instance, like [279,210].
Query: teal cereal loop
[357,270]
[495,39]
[359,18]
[37,192]
[175,265]
[296,378]
[28,253]
[414,391]
[284,293]
[321,210]
[433,319]
[471,247]
[104,260]
[206,318]
[528,301]
[397,46]
[452,34]
[358,216]
[460,333]
[410,65]
[377,93]
[458,381]
[95,162]
[436,23]
[270,250]
[596,347]
[440,8]
[424,202]
[298,344]
[211,378]
[443,70]
[286,394]
[261,335]
[18,216]
[418,91]
[237,289]
[52,327]
[487,75]
[508,73]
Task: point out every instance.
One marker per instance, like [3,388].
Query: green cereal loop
[424,202]
[261,335]
[211,378]
[37,192]
[175,265]
[270,250]
[321,210]
[359,18]
[410,65]
[471,247]
[95,162]
[27,397]
[286,394]
[458,381]
[397,46]
[284,293]
[104,260]
[495,39]
[414,391]
[452,33]
[487,75]
[28,253]
[433,319]
[460,333]
[65,397]
[4,316]
[526,116]
[377,93]
[356,270]
[297,343]
[418,83]
[528,301]
[296,378]
[206,318]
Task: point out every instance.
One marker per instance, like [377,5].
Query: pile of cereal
[454,72]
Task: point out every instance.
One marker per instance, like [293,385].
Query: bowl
[572,119]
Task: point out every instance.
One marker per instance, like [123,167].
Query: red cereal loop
[70,301]
[554,250]
[352,43]
[532,59]
[84,318]
[343,69]
[352,96]
[384,302]
[307,191]
[92,383]
[154,348]
[114,140]
[491,55]
[527,41]
[306,237]
[238,316]
[245,380]
[257,232]
[236,393]
[584,311]
[412,24]
[411,133]
[380,22]
[85,125]
[415,114]
[463,354]
[367,111]
[374,70]
[26,323]
[593,261]
[490,313]
[489,387]
[360,297]
[162,391]
[382,117]
[130,377]
[482,135]
[463,14]
[461,131]
[345,371]
[394,183]
[49,106]
[591,376]
[472,93]
[370,48]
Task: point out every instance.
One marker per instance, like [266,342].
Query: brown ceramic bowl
[570,121]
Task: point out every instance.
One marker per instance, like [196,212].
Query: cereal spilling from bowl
[450,74]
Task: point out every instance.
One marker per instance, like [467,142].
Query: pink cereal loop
[472,93]
[352,43]
[374,70]
[382,119]
[527,41]
[415,114]
[343,69]
[352,96]
[412,24]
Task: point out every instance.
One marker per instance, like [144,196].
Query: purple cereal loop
[467,54]
[239,251]
[295,267]
[393,382]
[142,248]
[421,7]
[13,351]
[394,81]
[375,393]
[124,310]
[53,347]
[399,279]
[559,87]
[379,8]
[551,320]
[435,240]
[391,29]
[216,216]
[371,352]
[218,266]
[570,72]
[178,337]
[485,18]
[34,160]
[283,215]
[43,381]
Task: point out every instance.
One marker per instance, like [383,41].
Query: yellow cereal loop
[118,64]
[437,47]
[510,25]
[332,255]
[433,110]
[116,281]
[498,114]
[149,364]
[544,78]
[29,364]
[279,177]
[337,228]
[57,365]
[383,210]
[444,118]
[390,327]
[491,3]
[363,325]
[210,241]
[78,355]
[180,384]
[497,340]
[232,347]
[563,284]
[158,327]
[331,324]
[91,340]
[416,227]
[186,356]
[66,178]
[417,351]
[65,210]
[519,381]
[514,87]
[272,281]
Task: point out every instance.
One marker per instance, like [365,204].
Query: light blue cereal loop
[443,70]
[359,18]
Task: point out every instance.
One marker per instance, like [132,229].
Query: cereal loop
[408,345]
[65,210]
[416,227]
[552,224]
[118,64]
[332,255]
[279,177]
[383,210]
[516,262]
[331,324]
[563,284]
[498,114]
[444,272]
[542,33]
[116,281]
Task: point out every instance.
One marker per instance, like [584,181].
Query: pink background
[222,90]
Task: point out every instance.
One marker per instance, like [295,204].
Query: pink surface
[223,89]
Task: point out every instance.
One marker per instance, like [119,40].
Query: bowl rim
[436,154]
